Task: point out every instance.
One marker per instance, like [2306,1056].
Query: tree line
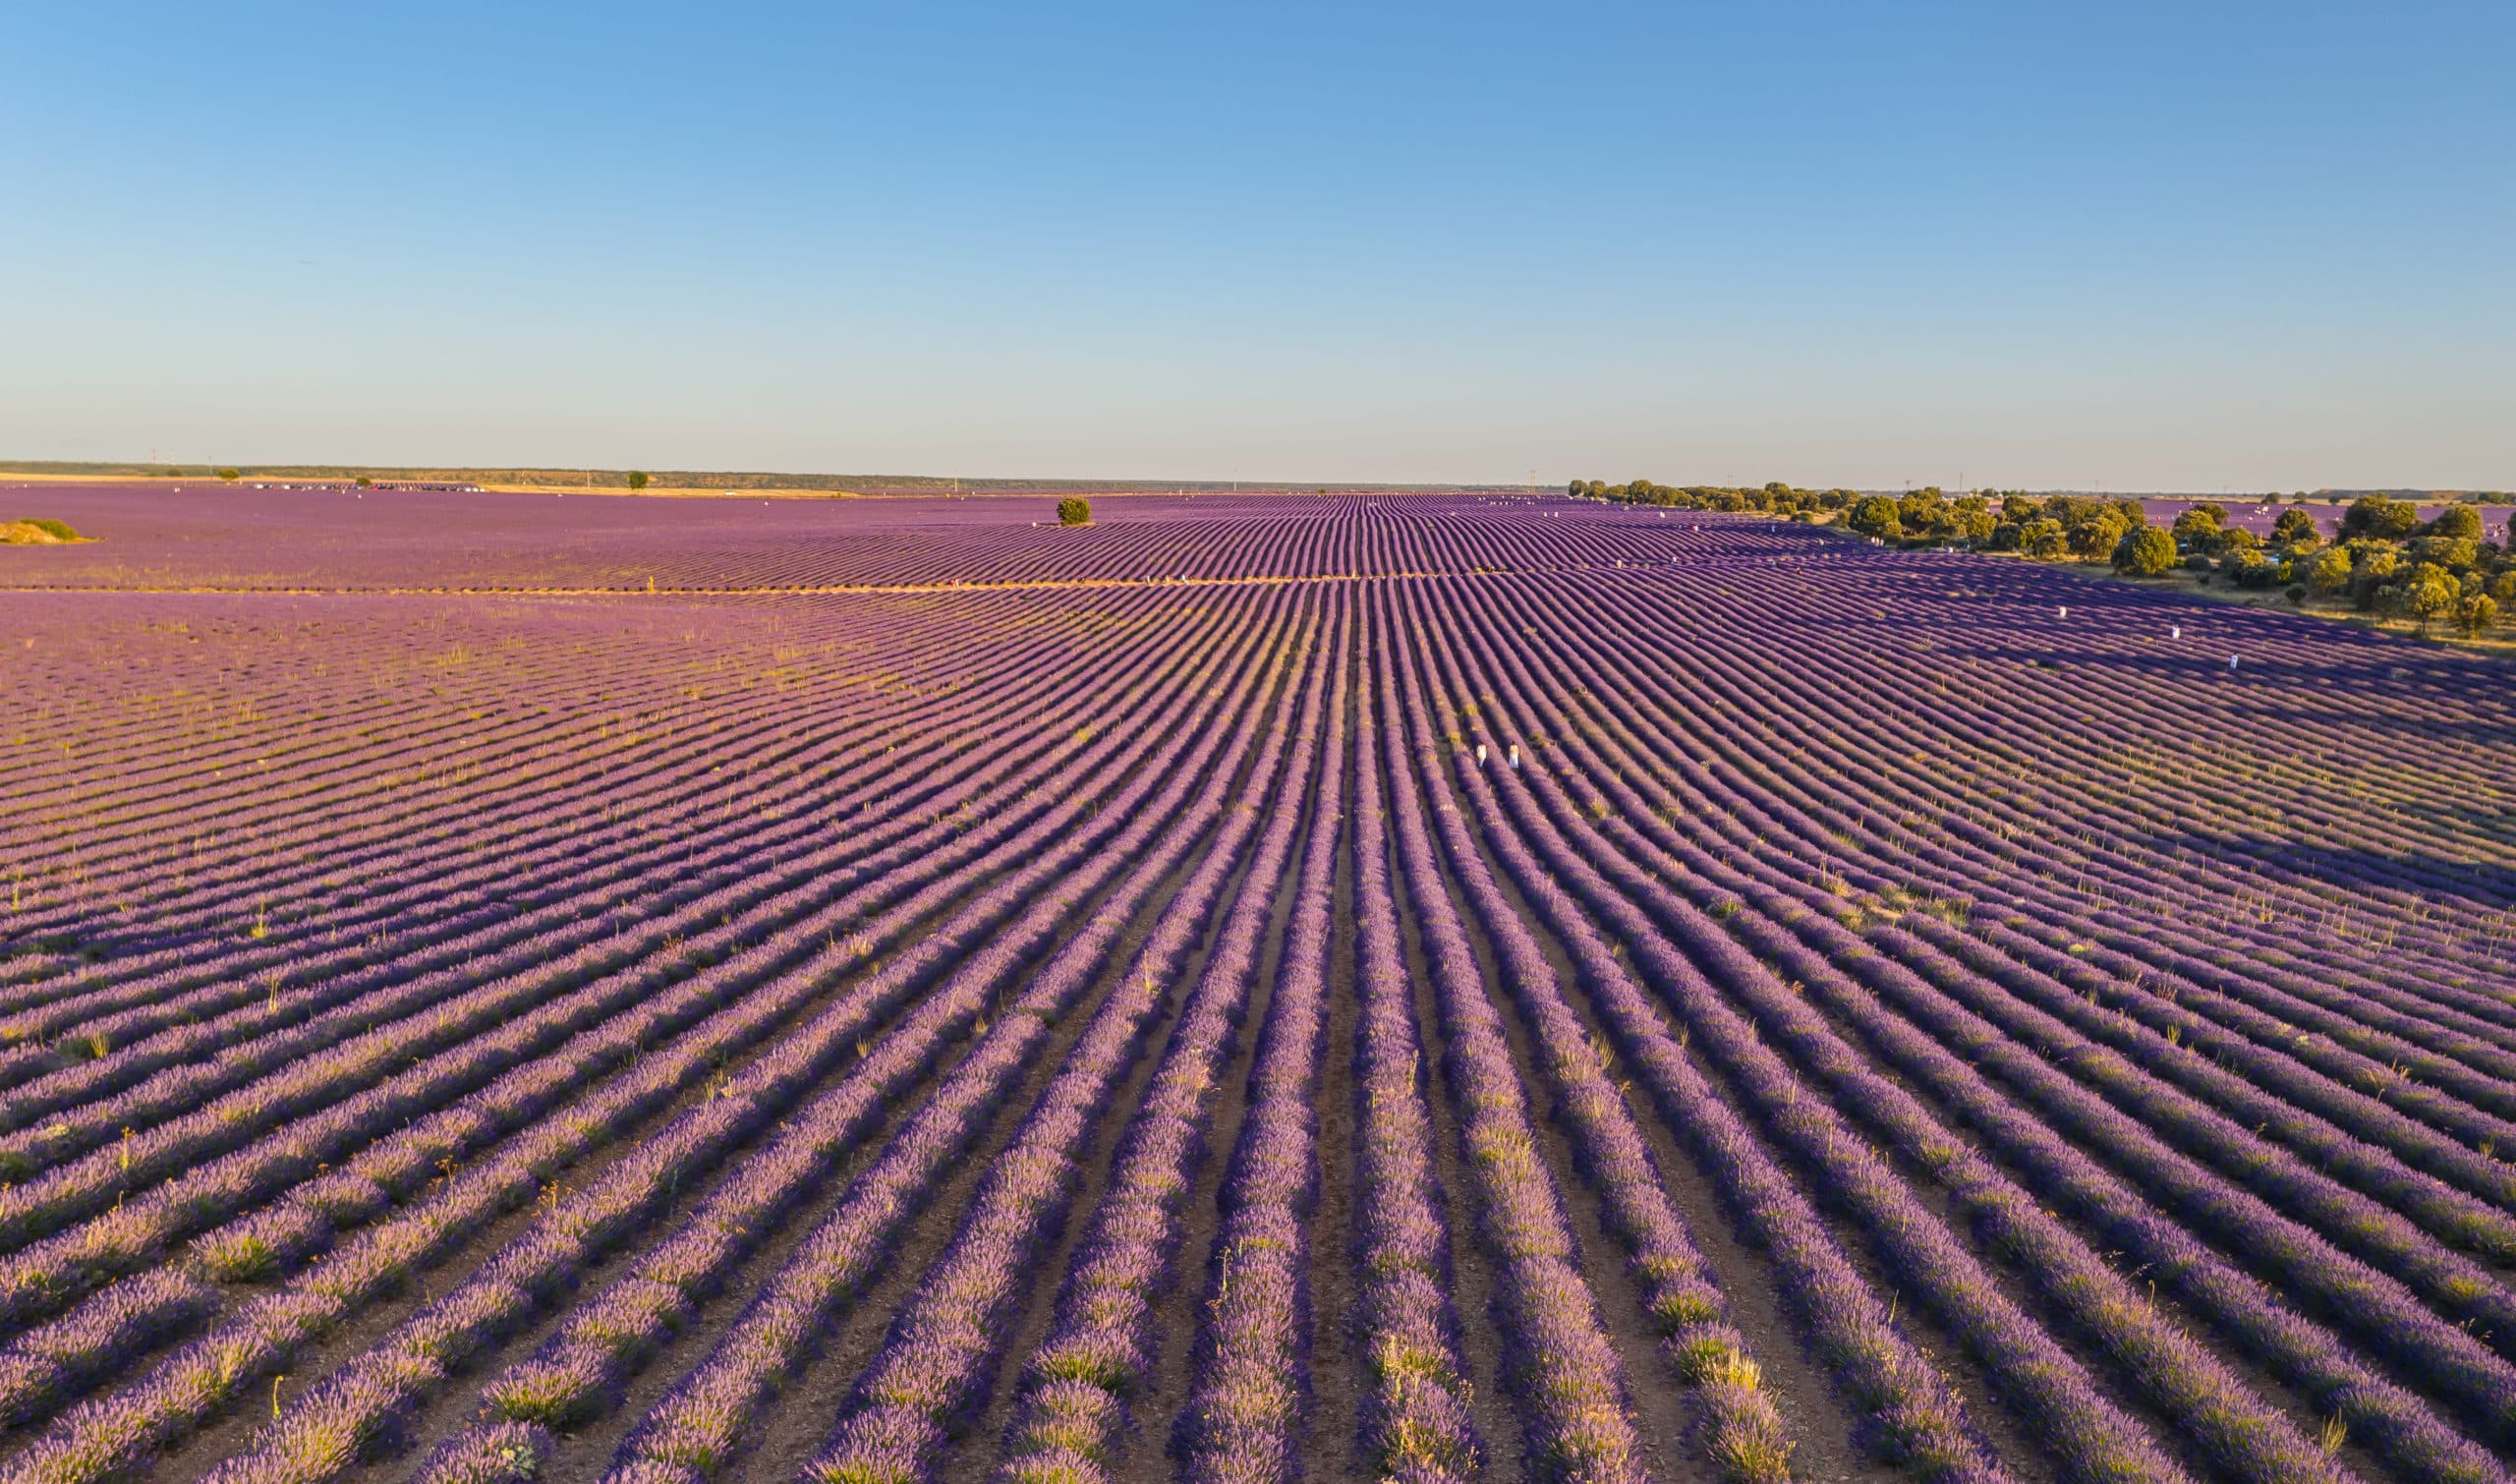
[2379,556]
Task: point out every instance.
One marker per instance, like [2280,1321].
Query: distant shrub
[364,483]
[37,531]
[2145,552]
[231,476]
[2297,592]
[1074,510]
[637,478]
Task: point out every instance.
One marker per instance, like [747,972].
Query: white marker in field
[2066,610]
[2175,631]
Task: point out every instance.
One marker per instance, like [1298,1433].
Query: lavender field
[1259,988]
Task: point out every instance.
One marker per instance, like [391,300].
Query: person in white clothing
[1515,757]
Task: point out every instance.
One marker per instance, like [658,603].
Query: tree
[2096,538]
[637,478]
[1074,510]
[2376,515]
[230,476]
[364,483]
[1877,516]
[2328,571]
[2430,593]
[2456,553]
[2458,523]
[2044,539]
[2295,528]
[2147,552]
[2475,613]
[2201,528]
[2249,568]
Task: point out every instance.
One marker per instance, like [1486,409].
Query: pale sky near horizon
[2124,246]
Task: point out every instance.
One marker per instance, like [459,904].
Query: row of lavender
[1816,998]
[154,538]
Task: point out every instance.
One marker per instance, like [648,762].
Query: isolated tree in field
[637,478]
[2145,552]
[2475,613]
[1877,516]
[363,482]
[230,476]
[1074,510]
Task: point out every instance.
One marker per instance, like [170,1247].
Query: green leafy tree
[1877,516]
[2456,553]
[2147,552]
[2295,530]
[365,483]
[2458,523]
[231,476]
[2248,567]
[2430,592]
[2378,516]
[637,478]
[2096,538]
[1074,510]
[2203,527]
[2044,539]
[2473,613]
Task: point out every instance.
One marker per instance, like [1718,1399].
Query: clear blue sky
[2143,246]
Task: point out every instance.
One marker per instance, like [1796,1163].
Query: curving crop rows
[1437,987]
